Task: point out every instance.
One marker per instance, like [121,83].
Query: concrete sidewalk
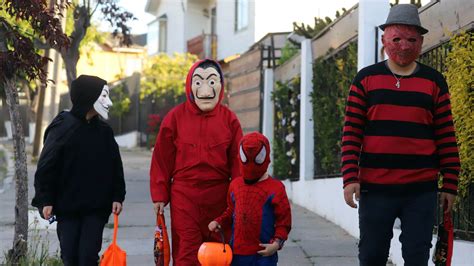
[316,241]
[313,240]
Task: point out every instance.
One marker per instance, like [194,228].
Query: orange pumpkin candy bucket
[215,253]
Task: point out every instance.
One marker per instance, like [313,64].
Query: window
[213,21]
[241,14]
[163,32]
[157,35]
[152,37]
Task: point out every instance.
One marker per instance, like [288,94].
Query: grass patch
[109,226]
[38,250]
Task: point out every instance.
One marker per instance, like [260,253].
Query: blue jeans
[255,260]
[377,214]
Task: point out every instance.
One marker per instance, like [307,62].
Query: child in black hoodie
[80,175]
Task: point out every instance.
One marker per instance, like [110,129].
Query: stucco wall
[196,22]
[174,11]
[230,42]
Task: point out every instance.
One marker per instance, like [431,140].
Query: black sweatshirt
[80,169]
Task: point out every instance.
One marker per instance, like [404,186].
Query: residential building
[111,61]
[220,28]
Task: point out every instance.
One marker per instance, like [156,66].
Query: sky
[325,8]
[137,7]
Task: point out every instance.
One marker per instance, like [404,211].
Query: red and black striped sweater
[399,138]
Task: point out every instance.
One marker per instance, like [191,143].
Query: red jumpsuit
[195,157]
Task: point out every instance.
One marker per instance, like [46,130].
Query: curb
[7,181]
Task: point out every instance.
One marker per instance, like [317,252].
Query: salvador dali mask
[206,88]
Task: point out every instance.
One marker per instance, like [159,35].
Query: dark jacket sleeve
[49,165]
[119,180]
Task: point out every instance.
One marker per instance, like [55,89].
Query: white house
[221,28]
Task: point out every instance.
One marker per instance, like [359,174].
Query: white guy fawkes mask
[103,103]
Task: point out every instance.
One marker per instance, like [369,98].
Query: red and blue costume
[194,159]
[258,210]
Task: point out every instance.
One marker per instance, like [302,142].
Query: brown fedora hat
[404,14]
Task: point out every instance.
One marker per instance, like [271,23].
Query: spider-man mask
[254,154]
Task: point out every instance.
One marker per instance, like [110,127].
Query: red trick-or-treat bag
[114,255]
[444,246]
[161,247]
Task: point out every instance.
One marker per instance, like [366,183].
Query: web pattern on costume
[248,212]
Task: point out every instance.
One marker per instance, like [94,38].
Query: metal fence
[332,76]
[463,213]
[436,57]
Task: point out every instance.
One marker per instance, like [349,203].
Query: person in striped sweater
[398,137]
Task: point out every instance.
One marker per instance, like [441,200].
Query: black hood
[85,90]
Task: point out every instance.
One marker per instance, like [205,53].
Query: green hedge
[285,146]
[332,77]
[460,77]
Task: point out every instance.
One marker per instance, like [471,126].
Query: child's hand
[214,226]
[116,207]
[47,212]
[269,250]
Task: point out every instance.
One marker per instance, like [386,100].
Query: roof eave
[151,6]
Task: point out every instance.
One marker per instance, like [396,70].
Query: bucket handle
[222,238]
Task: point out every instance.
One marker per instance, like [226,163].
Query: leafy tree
[320,24]
[163,84]
[92,35]
[121,102]
[80,29]
[31,88]
[287,52]
[77,31]
[309,31]
[164,79]
[18,57]
[413,2]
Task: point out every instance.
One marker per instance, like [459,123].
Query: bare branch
[95,8]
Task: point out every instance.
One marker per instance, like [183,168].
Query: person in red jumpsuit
[194,160]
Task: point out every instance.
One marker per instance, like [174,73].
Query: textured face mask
[254,154]
[103,103]
[402,43]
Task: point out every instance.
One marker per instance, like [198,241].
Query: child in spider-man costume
[257,207]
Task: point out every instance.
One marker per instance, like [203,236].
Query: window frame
[242,10]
